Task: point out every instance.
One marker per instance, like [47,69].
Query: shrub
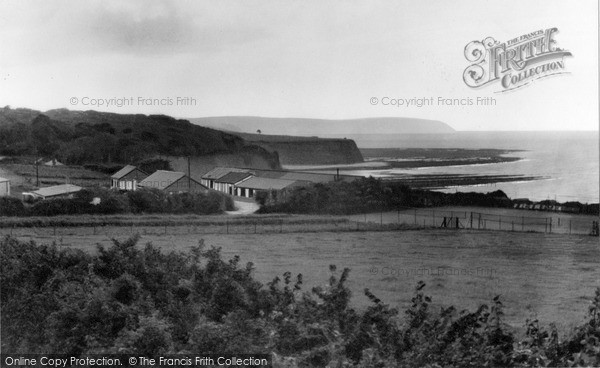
[58,206]
[146,200]
[10,206]
[150,338]
[128,299]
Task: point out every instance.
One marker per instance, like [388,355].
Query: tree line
[373,195]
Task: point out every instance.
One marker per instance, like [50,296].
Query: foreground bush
[127,299]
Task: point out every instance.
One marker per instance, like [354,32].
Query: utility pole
[37,171]
[189,176]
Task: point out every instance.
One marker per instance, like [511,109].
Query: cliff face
[313,151]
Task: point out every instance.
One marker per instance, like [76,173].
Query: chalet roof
[312,177]
[53,162]
[161,179]
[57,190]
[233,177]
[124,171]
[219,172]
[266,183]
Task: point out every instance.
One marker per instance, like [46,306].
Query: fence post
[227,226]
[523,223]
[471,220]
[569,226]
[550,226]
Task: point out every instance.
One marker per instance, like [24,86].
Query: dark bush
[58,206]
[368,195]
[10,206]
[146,200]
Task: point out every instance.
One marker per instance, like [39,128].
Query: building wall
[245,192]
[4,188]
[127,184]
[129,181]
[223,187]
[207,183]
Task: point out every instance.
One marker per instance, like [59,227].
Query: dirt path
[243,208]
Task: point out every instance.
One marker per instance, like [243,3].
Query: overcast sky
[313,59]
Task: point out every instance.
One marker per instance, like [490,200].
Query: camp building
[172,182]
[127,178]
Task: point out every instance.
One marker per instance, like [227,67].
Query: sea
[567,162]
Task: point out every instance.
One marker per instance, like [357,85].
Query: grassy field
[23,176]
[548,276]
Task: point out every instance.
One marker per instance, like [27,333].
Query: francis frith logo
[516,62]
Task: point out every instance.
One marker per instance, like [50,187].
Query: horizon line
[305,118]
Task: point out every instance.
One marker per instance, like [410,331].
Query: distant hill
[321,127]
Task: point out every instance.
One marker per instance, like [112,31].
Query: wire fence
[403,218]
[254,226]
[465,219]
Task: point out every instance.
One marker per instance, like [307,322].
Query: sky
[311,59]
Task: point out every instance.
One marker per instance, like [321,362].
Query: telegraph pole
[37,171]
[189,175]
